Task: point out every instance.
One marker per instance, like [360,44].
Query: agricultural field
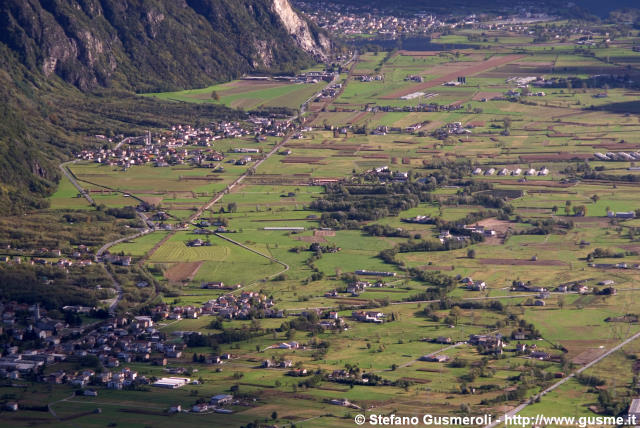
[247,94]
[386,205]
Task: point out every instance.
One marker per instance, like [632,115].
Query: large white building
[172,382]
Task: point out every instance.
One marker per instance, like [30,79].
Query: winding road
[113,303]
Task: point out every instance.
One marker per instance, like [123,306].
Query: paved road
[566,379]
[104,248]
[72,179]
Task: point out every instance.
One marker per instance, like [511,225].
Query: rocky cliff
[315,42]
[146,45]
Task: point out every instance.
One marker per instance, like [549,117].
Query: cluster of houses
[115,342]
[481,230]
[618,156]
[341,19]
[229,306]
[242,306]
[411,129]
[165,311]
[423,107]
[112,344]
[116,259]
[118,380]
[216,404]
[621,265]
[445,235]
[284,364]
[307,77]
[544,171]
[329,92]
[80,256]
[454,128]
[368,316]
[570,287]
[472,285]
[527,287]
[414,78]
[523,81]
[369,78]
[384,23]
[491,343]
[170,147]
[360,287]
[384,174]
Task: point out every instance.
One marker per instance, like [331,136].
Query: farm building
[221,399]
[434,358]
[374,273]
[634,409]
[172,382]
[629,214]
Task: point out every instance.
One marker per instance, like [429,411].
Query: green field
[550,230]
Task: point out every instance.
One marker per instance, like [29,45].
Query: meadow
[540,240]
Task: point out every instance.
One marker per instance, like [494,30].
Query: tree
[274,415]
[215,96]
[232,207]
[595,199]
[580,211]
[561,302]
[455,313]
[554,209]
[471,254]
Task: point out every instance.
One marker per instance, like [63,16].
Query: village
[185,144]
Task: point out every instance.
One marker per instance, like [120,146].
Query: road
[518,409]
[116,285]
[72,179]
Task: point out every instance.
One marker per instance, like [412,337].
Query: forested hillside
[69,69]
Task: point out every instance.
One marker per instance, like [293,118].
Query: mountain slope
[146,45]
[68,69]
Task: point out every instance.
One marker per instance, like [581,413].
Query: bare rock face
[158,44]
[317,44]
[264,53]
